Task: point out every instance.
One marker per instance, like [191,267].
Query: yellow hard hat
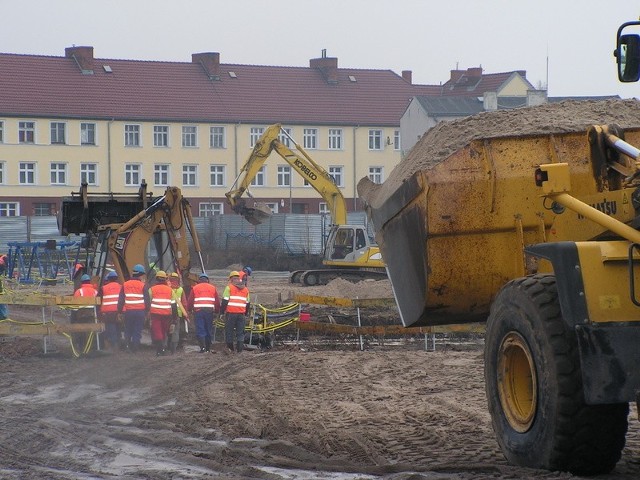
[161,275]
[174,275]
[234,274]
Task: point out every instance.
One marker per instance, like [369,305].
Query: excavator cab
[627,52]
[349,245]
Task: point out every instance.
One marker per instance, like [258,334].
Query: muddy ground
[298,411]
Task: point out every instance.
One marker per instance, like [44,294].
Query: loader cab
[627,52]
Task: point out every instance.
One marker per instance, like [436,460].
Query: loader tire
[534,386]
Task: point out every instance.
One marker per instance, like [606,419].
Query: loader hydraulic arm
[302,163]
[127,242]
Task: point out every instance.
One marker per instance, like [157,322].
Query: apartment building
[116,123]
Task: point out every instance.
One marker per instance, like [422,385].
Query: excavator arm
[301,162]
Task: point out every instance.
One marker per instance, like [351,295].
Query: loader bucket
[453,218]
[256,214]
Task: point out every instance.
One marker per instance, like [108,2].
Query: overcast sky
[428,37]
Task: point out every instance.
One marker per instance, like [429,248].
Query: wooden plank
[389,329]
[344,302]
[14,328]
[44,300]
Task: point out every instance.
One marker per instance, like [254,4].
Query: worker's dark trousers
[133,323]
[234,330]
[204,327]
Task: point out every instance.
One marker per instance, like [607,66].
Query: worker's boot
[207,344]
[201,343]
[239,347]
[229,347]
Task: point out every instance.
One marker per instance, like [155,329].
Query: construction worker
[162,311]
[85,313]
[4,264]
[179,329]
[132,303]
[109,294]
[204,303]
[78,271]
[245,273]
[235,306]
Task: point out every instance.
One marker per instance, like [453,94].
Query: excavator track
[325,275]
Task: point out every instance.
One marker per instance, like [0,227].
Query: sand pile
[448,137]
[342,288]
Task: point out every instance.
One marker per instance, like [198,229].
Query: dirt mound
[345,289]
[448,137]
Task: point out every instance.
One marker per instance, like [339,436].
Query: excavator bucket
[256,214]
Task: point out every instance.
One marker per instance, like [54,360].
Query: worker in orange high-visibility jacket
[132,303]
[204,303]
[162,311]
[235,306]
[109,295]
[85,313]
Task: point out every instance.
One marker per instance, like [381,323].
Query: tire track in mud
[377,412]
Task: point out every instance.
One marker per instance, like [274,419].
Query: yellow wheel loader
[529,220]
[118,228]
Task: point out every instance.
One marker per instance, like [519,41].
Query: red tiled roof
[46,86]
[476,86]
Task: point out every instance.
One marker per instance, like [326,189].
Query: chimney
[407,76]
[456,75]
[328,66]
[490,101]
[474,72]
[83,57]
[536,97]
[210,62]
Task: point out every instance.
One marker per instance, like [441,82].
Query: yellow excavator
[349,253]
[118,228]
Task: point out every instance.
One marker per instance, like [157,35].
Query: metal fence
[293,234]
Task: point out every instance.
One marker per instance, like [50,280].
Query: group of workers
[124,309]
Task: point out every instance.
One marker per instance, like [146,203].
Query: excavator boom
[301,162]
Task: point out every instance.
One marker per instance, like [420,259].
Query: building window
[210,209]
[43,209]
[58,133]
[284,176]
[375,139]
[189,175]
[87,133]
[259,179]
[1,132]
[285,137]
[58,173]
[217,137]
[132,135]
[254,135]
[323,208]
[26,132]
[89,173]
[160,136]
[375,174]
[216,176]
[132,174]
[336,174]
[161,175]
[396,139]
[189,136]
[310,138]
[9,209]
[27,173]
[273,206]
[2,172]
[335,139]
